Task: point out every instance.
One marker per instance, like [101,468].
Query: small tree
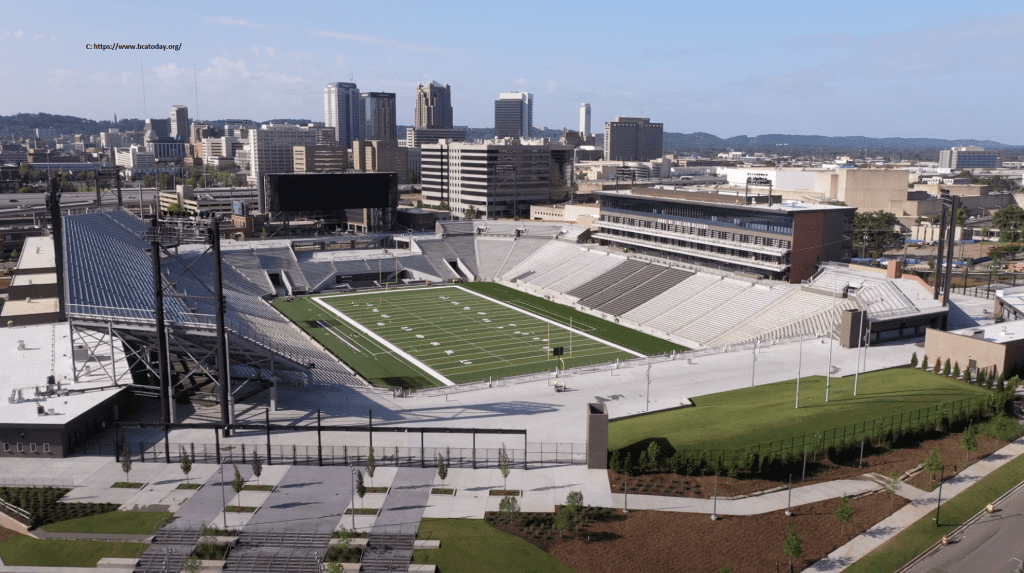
[574,500]
[564,520]
[924,362]
[332,567]
[371,465]
[844,514]
[956,370]
[237,484]
[653,456]
[982,381]
[615,461]
[643,462]
[442,469]
[793,545]
[913,360]
[933,464]
[257,466]
[186,464]
[360,486]
[508,509]
[969,441]
[191,565]
[938,366]
[504,463]
[126,462]
[946,368]
[893,485]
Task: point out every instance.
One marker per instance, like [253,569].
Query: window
[21,448]
[7,447]
[32,448]
[46,448]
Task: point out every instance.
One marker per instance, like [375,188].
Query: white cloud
[552,86]
[256,50]
[371,40]
[340,59]
[38,36]
[18,35]
[272,51]
[521,81]
[236,22]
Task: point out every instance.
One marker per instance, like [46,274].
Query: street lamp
[354,499]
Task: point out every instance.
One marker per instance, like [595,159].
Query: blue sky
[905,69]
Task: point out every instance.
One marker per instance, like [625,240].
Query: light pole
[789,499]
[753,365]
[714,508]
[856,375]
[353,499]
[648,384]
[223,497]
[831,339]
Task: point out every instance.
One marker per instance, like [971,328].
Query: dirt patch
[6,534]
[820,470]
[686,542]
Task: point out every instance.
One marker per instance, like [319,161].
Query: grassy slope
[142,522]
[472,546]
[25,551]
[896,552]
[759,415]
[378,366]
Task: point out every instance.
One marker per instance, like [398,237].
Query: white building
[343,111]
[585,119]
[134,157]
[765,177]
[271,146]
[513,114]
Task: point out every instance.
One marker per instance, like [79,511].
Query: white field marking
[558,324]
[437,375]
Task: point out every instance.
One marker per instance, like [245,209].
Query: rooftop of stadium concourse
[36,256]
[30,354]
[733,196]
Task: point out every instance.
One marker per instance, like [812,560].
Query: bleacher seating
[606,280]
[699,305]
[671,298]
[628,283]
[491,253]
[642,293]
[577,269]
[464,247]
[802,312]
[523,248]
[729,315]
[548,253]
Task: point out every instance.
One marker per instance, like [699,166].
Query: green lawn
[473,546]
[141,522]
[26,551]
[764,414]
[459,334]
[910,542]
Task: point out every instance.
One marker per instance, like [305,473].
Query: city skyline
[879,70]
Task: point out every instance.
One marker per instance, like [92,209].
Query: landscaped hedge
[41,503]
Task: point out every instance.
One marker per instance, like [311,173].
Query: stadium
[600,304]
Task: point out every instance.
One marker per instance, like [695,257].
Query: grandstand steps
[649,289]
[818,324]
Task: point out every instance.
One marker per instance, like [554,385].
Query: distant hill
[919,148]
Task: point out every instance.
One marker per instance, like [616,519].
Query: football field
[451,334]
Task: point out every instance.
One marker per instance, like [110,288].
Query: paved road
[988,545]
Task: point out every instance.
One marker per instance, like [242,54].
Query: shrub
[938,366]
[913,360]
[654,456]
[981,378]
[643,462]
[946,368]
[924,362]
[615,461]
[1002,427]
[956,370]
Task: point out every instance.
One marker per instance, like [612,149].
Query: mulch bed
[822,470]
[189,485]
[128,485]
[376,490]
[6,534]
[442,491]
[363,511]
[241,509]
[506,492]
[258,488]
[686,542]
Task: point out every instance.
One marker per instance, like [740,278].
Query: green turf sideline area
[22,550]
[457,335]
[142,522]
[910,542]
[471,545]
[752,416]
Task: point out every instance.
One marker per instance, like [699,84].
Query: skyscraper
[433,106]
[179,122]
[632,139]
[378,112]
[584,119]
[343,112]
[513,114]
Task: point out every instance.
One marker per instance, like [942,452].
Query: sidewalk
[887,528]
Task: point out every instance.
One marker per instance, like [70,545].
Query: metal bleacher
[524,247]
[642,293]
[671,298]
[606,280]
[699,306]
[731,314]
[491,253]
[628,283]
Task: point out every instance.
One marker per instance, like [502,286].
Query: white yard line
[437,375]
[558,324]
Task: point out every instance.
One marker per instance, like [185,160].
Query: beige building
[381,157]
[319,158]
[996,345]
[586,214]
[866,189]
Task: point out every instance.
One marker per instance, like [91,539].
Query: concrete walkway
[924,503]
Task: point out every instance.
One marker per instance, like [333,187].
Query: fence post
[268,436]
[423,459]
[167,445]
[192,448]
[243,454]
[474,449]
[216,437]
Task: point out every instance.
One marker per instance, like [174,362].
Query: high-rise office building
[959,158]
[271,147]
[584,119]
[434,106]
[179,122]
[378,112]
[513,114]
[499,178]
[160,128]
[342,111]
[632,139]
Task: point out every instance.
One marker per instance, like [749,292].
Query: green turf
[910,542]
[471,545]
[142,522]
[763,414]
[462,336]
[26,551]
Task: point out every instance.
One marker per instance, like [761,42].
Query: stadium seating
[628,283]
[699,305]
[491,253]
[671,298]
[659,283]
[606,280]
